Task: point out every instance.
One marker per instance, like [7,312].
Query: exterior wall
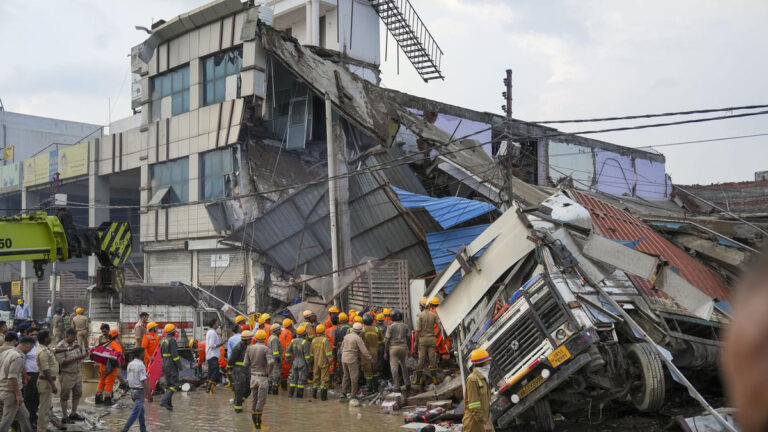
[30,134]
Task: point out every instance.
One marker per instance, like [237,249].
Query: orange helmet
[479,356]
[114,333]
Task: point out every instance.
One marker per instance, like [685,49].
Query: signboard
[73,160]
[53,164]
[219,260]
[16,288]
[37,170]
[10,177]
[8,153]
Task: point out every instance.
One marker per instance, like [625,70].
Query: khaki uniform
[352,348]
[322,356]
[311,330]
[70,378]
[477,403]
[57,324]
[371,338]
[11,366]
[258,360]
[425,325]
[397,345]
[80,323]
[46,360]
[138,332]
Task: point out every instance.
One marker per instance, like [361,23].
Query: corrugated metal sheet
[444,245]
[169,266]
[398,173]
[620,225]
[383,286]
[448,211]
[210,275]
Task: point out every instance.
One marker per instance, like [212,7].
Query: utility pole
[506,152]
[508,94]
[333,172]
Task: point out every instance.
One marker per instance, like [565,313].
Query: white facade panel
[169,266]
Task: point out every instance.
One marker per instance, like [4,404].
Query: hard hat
[479,356]
[264,318]
[358,319]
[151,325]
[261,335]
[423,301]
[79,310]
[397,315]
[380,317]
[434,301]
[20,301]
[114,333]
[192,342]
[387,311]
[333,309]
[169,328]
[275,327]
[320,329]
[353,310]
[239,319]
[246,334]
[343,317]
[287,322]
[307,313]
[357,327]
[301,330]
[367,319]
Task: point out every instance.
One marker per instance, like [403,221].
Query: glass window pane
[177,104]
[166,84]
[208,69]
[176,81]
[208,93]
[155,110]
[185,101]
[185,77]
[219,89]
[219,67]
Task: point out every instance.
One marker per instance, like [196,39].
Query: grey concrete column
[29,199]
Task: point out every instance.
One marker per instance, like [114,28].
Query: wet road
[199,411]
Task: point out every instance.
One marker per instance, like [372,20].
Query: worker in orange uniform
[332,311]
[242,322]
[330,333]
[108,372]
[442,343]
[149,342]
[286,336]
[265,323]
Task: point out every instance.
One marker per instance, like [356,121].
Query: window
[321,24]
[217,68]
[175,84]
[169,182]
[216,169]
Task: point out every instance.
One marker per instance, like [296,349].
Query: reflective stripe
[166,355]
[239,363]
[175,358]
[473,405]
[275,352]
[238,407]
[174,389]
[329,353]
[300,386]
[307,357]
[293,385]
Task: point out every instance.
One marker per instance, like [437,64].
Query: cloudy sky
[571,59]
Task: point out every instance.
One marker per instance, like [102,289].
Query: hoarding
[73,160]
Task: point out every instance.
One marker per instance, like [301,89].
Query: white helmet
[357,327]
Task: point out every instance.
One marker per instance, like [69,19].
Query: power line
[644,116]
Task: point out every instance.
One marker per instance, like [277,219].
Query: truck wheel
[542,416]
[647,389]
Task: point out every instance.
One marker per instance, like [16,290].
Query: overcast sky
[571,59]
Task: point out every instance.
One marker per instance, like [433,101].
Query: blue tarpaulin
[448,211]
[443,246]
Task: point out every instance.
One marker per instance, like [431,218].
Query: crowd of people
[354,351]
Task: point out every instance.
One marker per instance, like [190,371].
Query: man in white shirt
[137,381]
[21,313]
[212,353]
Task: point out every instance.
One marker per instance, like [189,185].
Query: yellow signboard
[36,170]
[10,177]
[73,160]
[16,288]
[8,154]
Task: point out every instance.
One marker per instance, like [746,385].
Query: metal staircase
[412,36]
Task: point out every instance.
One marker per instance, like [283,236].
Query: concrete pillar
[308,21]
[315,22]
[29,199]
[98,199]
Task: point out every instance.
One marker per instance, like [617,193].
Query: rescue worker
[442,344]
[321,357]
[70,356]
[387,312]
[171,365]
[108,372]
[332,312]
[426,322]
[381,368]
[259,361]
[358,319]
[265,323]
[371,338]
[329,333]
[396,350]
[46,383]
[298,356]
[240,375]
[242,322]
[140,329]
[104,336]
[309,323]
[352,349]
[57,325]
[276,351]
[477,394]
[351,315]
[80,324]
[149,342]
[338,335]
[286,335]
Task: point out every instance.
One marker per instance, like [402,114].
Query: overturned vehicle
[577,301]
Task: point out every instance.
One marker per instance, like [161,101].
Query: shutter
[383,286]
[213,272]
[72,292]
[169,266]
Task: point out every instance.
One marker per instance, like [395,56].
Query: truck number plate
[531,386]
[558,356]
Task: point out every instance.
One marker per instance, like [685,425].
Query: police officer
[240,375]
[259,361]
[298,356]
[171,365]
[426,322]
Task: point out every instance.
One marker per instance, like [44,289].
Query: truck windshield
[5,305]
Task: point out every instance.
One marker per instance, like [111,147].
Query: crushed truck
[533,293]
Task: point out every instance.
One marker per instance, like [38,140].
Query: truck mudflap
[507,415]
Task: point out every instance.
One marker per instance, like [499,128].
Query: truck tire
[542,416]
[648,389]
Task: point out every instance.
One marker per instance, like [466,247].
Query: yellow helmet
[320,329]
[246,334]
[301,330]
[263,318]
[261,335]
[20,301]
[353,311]
[387,311]
[343,317]
[239,319]
[287,322]
[333,309]
[434,301]
[192,343]
[358,319]
[423,301]
[79,310]
[479,356]
[151,325]
[380,317]
[169,328]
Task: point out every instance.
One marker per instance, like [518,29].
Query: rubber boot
[98,400]
[368,386]
[435,381]
[314,392]
[211,385]
[284,384]
[300,393]
[324,394]
[166,401]
[275,388]
[256,419]
[343,398]
[291,390]
[108,401]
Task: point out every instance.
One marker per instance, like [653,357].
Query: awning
[448,211]
[444,245]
